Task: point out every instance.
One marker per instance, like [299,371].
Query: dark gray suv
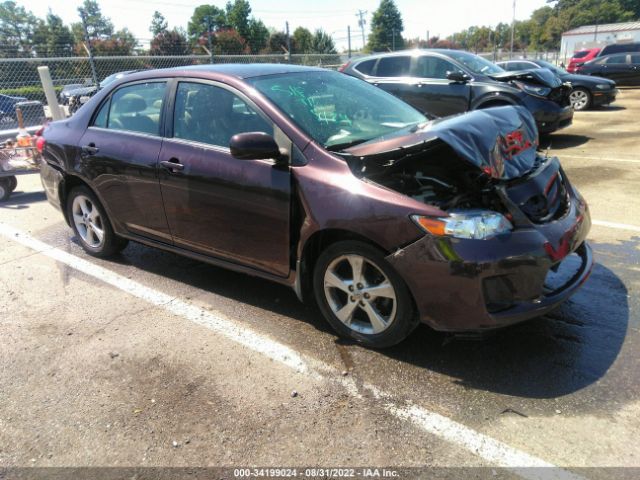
[447,82]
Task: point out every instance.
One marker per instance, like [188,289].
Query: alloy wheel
[579,99]
[88,221]
[359,294]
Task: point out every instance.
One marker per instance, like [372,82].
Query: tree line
[229,30]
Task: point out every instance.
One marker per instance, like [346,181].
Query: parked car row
[619,62]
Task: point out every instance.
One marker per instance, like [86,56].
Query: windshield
[337,110]
[474,63]
[551,66]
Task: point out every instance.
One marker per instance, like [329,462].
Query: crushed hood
[541,76]
[500,141]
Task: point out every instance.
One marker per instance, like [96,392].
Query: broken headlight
[472,224]
[535,90]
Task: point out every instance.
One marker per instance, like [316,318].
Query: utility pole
[513,27]
[361,23]
[428,44]
[349,39]
[288,42]
[210,40]
[85,29]
[393,40]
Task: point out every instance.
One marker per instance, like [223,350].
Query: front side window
[394,67]
[136,108]
[337,110]
[617,60]
[212,115]
[434,67]
[635,58]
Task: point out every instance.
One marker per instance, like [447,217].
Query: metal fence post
[83,16]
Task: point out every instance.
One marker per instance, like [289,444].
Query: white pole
[50,93]
[513,27]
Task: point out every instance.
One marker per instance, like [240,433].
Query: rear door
[216,205]
[635,66]
[119,152]
[433,92]
[618,68]
[392,74]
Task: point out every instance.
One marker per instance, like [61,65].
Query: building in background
[597,36]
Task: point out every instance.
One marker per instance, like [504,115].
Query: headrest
[130,103]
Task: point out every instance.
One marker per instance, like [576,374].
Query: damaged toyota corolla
[329,185]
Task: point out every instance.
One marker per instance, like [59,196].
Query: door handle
[173,165]
[90,149]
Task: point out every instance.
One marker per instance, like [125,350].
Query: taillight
[40,143]
[342,67]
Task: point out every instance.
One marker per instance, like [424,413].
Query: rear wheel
[5,189]
[13,183]
[362,296]
[91,224]
[580,99]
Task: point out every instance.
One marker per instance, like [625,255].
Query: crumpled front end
[511,243]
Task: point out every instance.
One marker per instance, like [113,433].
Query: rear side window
[434,67]
[616,60]
[365,67]
[394,67]
[212,115]
[136,108]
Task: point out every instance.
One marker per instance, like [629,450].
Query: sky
[438,17]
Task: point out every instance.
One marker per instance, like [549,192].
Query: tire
[5,190]
[580,99]
[91,224]
[13,183]
[337,289]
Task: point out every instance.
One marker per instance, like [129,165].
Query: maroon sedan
[327,184]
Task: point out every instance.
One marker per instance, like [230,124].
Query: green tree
[170,42]
[386,28]
[229,42]
[237,15]
[322,43]
[52,38]
[98,26]
[258,35]
[158,24]
[202,17]
[17,27]
[301,41]
[277,42]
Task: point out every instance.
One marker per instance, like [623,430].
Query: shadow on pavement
[555,355]
[19,200]
[559,141]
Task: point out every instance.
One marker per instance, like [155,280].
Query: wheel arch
[494,101]
[311,250]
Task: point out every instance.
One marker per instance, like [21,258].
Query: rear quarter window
[366,67]
[581,54]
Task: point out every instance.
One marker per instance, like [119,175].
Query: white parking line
[487,448]
[620,226]
[598,159]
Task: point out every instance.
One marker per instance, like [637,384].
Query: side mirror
[458,77]
[254,146]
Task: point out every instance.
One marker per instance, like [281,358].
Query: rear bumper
[51,179]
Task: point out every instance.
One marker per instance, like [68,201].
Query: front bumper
[604,97]
[552,117]
[472,285]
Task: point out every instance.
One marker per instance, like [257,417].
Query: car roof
[248,70]
[411,52]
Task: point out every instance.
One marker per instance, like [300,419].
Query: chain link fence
[20,82]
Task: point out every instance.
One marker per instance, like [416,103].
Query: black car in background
[77,97]
[587,91]
[623,68]
[633,47]
[447,82]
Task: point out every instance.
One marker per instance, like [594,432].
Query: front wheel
[91,224]
[580,99]
[362,296]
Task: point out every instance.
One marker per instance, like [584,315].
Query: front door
[215,204]
[119,152]
[433,92]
